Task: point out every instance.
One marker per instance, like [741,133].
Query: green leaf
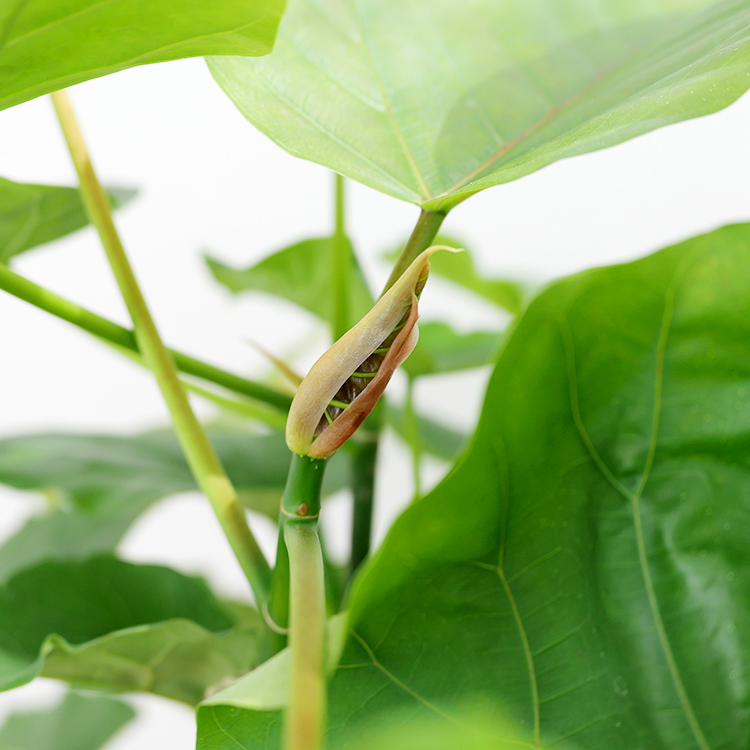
[585,567]
[31,215]
[77,722]
[301,274]
[433,102]
[442,349]
[472,730]
[109,624]
[91,38]
[102,483]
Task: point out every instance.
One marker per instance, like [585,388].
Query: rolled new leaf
[344,385]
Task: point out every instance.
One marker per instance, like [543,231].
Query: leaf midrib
[634,498]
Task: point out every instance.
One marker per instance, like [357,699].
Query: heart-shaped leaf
[47,45]
[433,101]
[585,568]
[31,215]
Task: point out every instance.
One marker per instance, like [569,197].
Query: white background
[209,182]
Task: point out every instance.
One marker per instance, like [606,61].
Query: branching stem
[200,455]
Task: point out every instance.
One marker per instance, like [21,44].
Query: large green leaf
[301,274]
[101,483]
[46,45]
[31,215]
[432,100]
[76,723]
[110,624]
[586,566]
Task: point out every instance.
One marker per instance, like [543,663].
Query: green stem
[412,432]
[204,463]
[339,271]
[305,715]
[298,601]
[115,334]
[364,458]
[421,238]
[302,492]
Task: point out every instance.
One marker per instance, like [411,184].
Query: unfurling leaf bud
[344,385]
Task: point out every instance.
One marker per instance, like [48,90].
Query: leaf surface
[113,625]
[77,722]
[31,215]
[47,45]
[433,101]
[585,568]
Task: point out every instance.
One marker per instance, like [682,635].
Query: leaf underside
[431,101]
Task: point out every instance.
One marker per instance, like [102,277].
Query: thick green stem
[204,463]
[412,432]
[421,238]
[364,459]
[306,712]
[125,338]
[340,321]
[298,601]
[301,500]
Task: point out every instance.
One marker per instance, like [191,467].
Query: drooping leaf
[433,101]
[442,349]
[31,215]
[301,274]
[113,625]
[102,483]
[77,722]
[47,45]
[585,568]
